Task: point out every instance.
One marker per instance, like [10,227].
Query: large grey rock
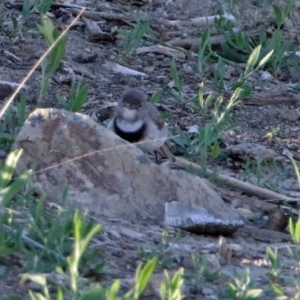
[104,173]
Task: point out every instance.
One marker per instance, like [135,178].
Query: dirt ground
[125,244]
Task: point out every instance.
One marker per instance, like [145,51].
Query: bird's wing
[154,115]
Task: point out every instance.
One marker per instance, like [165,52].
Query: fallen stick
[116,68]
[194,42]
[98,16]
[275,99]
[161,50]
[233,182]
[201,21]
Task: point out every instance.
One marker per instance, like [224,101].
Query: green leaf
[63,102]
[175,76]
[43,6]
[265,59]
[26,8]
[247,90]
[46,29]
[252,60]
[215,150]
[296,170]
[292,228]
[13,189]
[177,282]
[4,251]
[15,22]
[278,15]
[57,54]
[271,256]
[289,8]
[36,296]
[97,292]
[155,97]
[231,289]
[143,276]
[39,207]
[84,243]
[240,40]
[60,295]
[253,294]
[21,106]
[277,289]
[9,167]
[80,99]
[297,232]
[113,291]
[64,195]
[39,279]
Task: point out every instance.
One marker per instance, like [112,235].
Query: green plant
[294,229]
[201,272]
[13,120]
[254,63]
[51,63]
[77,97]
[205,144]
[161,253]
[275,273]
[242,288]
[82,237]
[8,188]
[134,36]
[16,26]
[178,83]
[204,52]
[171,289]
[240,44]
[142,277]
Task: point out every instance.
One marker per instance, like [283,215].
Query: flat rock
[104,173]
[197,219]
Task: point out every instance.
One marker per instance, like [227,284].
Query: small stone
[207,291]
[114,235]
[127,232]
[246,213]
[236,250]
[214,261]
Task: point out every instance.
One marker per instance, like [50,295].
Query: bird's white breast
[129,114]
[128,126]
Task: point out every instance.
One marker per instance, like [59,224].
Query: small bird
[138,121]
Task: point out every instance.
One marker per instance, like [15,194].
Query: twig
[98,16]
[214,39]
[161,50]
[273,99]
[233,182]
[116,68]
[201,21]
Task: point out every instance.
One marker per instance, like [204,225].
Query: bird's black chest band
[132,137]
